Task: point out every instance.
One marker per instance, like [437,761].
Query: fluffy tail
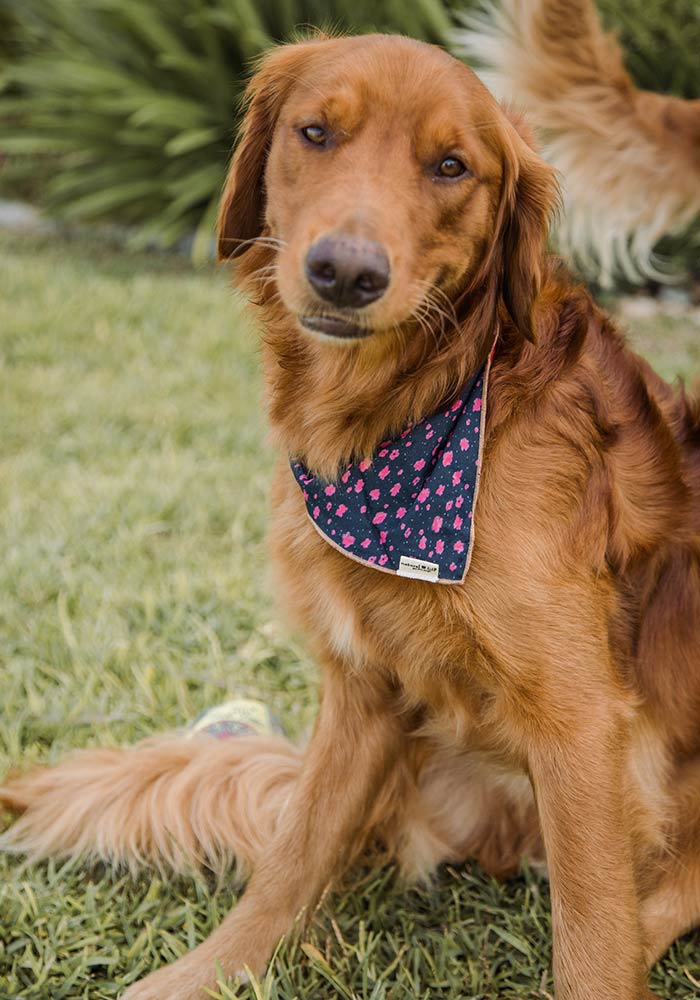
[174,803]
[179,804]
[630,159]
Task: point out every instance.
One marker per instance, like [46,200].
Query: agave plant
[128,106]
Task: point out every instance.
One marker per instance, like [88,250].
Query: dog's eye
[451,167]
[315,134]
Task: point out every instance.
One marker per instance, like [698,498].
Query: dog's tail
[178,805]
[181,805]
[173,803]
[629,158]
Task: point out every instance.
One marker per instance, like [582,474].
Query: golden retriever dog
[630,157]
[388,219]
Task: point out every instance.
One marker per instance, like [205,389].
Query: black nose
[347,270]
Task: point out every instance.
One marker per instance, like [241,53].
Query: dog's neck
[331,404]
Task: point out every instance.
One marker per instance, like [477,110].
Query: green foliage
[127,108]
[134,593]
[661,42]
[133,101]
[11,35]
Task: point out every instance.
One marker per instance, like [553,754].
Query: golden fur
[568,663]
[630,158]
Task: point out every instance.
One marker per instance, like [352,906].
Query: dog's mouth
[339,327]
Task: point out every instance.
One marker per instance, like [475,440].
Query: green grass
[133,593]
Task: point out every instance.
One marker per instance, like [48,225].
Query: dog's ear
[530,199]
[242,208]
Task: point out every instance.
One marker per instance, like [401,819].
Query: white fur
[623,188]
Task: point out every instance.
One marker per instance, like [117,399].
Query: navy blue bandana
[410,510]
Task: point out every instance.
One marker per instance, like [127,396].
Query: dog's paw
[166,984]
[183,980]
[154,987]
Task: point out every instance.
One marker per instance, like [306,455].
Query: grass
[133,594]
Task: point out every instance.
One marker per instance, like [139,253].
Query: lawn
[133,594]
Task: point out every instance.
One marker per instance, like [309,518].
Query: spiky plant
[126,108]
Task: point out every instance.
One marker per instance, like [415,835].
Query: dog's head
[390,185]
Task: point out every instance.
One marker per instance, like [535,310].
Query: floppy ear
[531,197]
[242,209]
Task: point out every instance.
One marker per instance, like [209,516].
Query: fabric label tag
[418,569]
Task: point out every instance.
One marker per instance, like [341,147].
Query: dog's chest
[420,632]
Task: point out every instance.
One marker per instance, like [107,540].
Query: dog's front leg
[354,745]
[580,783]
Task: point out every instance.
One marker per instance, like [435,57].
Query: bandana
[410,510]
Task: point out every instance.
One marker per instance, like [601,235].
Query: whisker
[429,304]
[273,242]
[434,290]
[424,316]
